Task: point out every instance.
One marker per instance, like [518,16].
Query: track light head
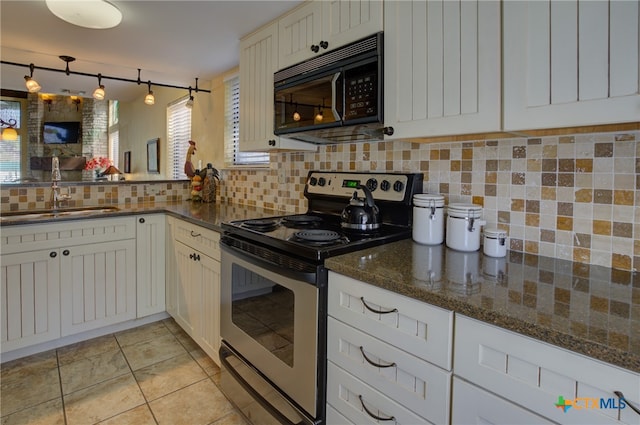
[149,99]
[32,85]
[98,93]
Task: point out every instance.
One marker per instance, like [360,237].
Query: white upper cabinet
[319,26]
[570,63]
[442,67]
[258,62]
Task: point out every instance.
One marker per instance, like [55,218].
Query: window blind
[178,136]
[232,153]
[10,169]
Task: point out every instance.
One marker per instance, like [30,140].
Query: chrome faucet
[56,196]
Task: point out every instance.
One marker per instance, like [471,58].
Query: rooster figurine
[189,169]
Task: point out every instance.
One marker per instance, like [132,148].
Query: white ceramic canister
[495,242]
[463,226]
[428,219]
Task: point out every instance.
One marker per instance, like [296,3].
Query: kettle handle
[368,195]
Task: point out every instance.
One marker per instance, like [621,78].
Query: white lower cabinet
[388,355]
[194,293]
[538,376]
[59,279]
[30,298]
[98,283]
[473,405]
[151,258]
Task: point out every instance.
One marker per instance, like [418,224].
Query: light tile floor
[153,374]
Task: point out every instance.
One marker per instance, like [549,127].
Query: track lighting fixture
[189,103]
[98,93]
[32,85]
[149,99]
[9,133]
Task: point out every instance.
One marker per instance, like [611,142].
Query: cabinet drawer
[535,375]
[33,237]
[418,328]
[199,238]
[335,418]
[406,382]
[358,402]
[473,405]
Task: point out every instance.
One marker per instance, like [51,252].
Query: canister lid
[428,200]
[494,232]
[465,210]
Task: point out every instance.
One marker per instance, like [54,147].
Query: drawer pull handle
[194,235]
[621,397]
[373,363]
[378,418]
[373,310]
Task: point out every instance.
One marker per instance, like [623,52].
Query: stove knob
[313,181]
[385,185]
[398,186]
[322,181]
[372,184]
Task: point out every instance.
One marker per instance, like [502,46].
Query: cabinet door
[209,322]
[472,405]
[150,250]
[442,67]
[187,301]
[98,285]
[345,21]
[171,267]
[298,31]
[258,62]
[570,63]
[29,298]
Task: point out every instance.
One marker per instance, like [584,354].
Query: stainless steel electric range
[274,292]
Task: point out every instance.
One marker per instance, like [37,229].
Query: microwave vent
[372,43]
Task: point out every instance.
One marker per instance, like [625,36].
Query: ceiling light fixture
[93,14]
[189,103]
[9,133]
[149,99]
[98,93]
[32,85]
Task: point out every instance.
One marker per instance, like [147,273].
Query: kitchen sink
[61,212]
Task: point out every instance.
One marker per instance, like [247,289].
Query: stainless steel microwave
[335,97]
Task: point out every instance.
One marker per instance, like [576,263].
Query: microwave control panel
[361,97]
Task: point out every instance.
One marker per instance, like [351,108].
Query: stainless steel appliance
[335,97]
[274,293]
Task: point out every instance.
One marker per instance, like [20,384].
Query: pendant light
[32,85]
[320,115]
[149,99]
[296,114]
[98,93]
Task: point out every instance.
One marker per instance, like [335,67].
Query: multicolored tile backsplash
[571,197]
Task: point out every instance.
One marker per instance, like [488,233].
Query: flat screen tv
[61,132]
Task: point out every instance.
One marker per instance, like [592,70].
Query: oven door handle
[224,353]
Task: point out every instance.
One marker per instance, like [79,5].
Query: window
[114,134]
[10,169]
[178,136]
[232,153]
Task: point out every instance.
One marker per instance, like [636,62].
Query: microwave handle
[334,99]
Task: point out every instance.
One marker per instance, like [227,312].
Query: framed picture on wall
[153,156]
[127,162]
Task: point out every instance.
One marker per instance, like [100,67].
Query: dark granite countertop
[210,215]
[587,309]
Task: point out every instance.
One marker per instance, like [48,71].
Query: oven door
[269,318]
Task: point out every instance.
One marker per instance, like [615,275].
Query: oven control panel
[383,186]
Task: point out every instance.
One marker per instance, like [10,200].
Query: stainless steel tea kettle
[361,214]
